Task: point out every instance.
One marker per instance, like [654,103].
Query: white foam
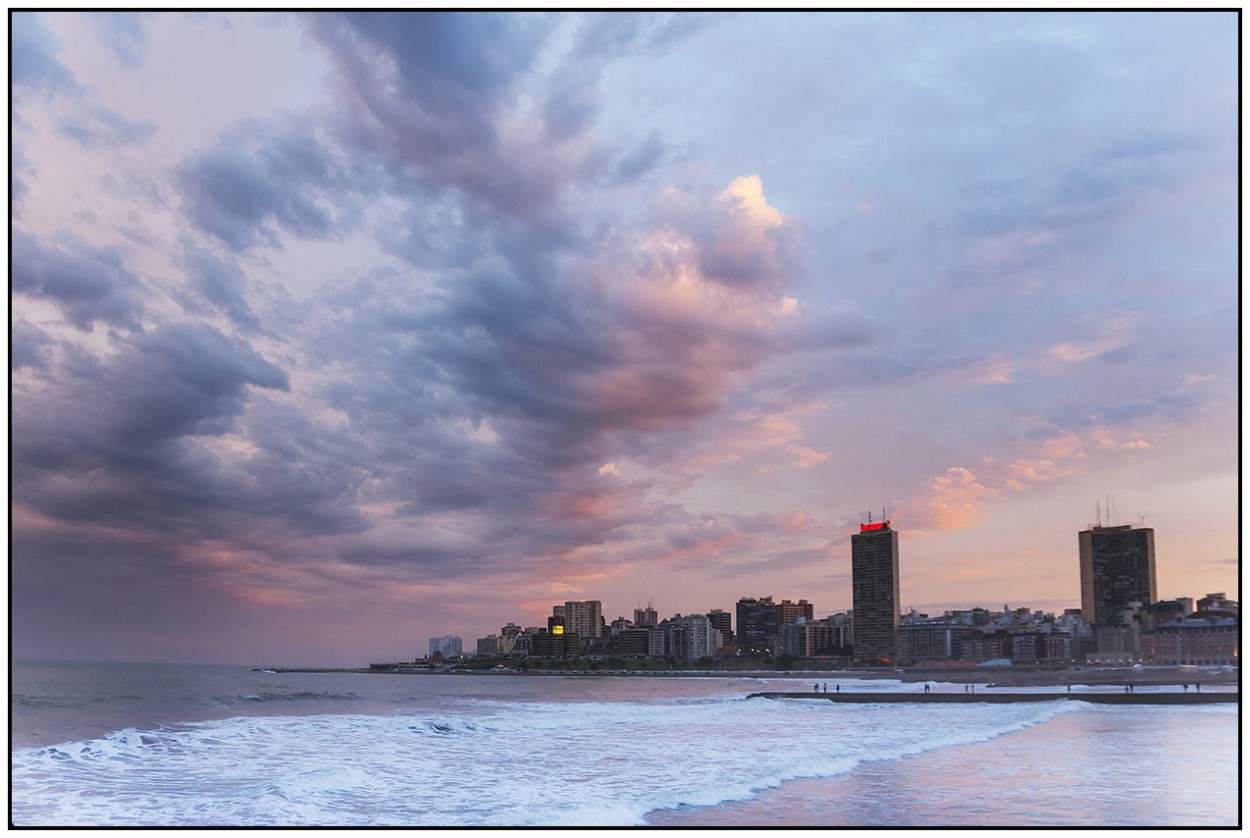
[586,763]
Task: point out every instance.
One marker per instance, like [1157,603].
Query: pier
[1191,697]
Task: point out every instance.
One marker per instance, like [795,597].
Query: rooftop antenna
[870,516]
[1141,518]
[1097,514]
[883,512]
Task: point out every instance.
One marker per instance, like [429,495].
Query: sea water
[168,745]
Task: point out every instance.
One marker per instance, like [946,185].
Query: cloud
[259,180]
[29,346]
[221,283]
[436,91]
[94,127]
[123,32]
[32,58]
[510,302]
[614,34]
[738,239]
[36,71]
[957,501]
[89,284]
[116,440]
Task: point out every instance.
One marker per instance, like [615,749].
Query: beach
[164,745]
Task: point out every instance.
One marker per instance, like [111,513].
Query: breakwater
[1191,697]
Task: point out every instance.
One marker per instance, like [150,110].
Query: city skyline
[331,333]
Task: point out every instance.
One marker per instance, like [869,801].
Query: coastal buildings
[874,583]
[1117,573]
[447,647]
[585,619]
[684,638]
[646,617]
[1206,638]
[791,612]
[1130,625]
[757,624]
[932,639]
[721,620]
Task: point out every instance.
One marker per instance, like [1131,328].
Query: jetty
[1191,697]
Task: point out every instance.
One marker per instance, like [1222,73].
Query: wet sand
[1062,773]
[998,697]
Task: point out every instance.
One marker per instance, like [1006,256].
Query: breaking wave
[494,763]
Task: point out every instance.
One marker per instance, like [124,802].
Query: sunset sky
[331,333]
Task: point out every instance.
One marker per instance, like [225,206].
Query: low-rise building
[927,640]
[553,645]
[983,648]
[1199,640]
[632,642]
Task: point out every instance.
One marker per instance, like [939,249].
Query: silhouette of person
[837,688]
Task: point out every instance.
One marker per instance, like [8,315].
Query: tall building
[757,624]
[585,619]
[721,621]
[1117,570]
[695,638]
[874,584]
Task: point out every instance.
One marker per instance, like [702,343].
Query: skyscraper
[757,624]
[1117,568]
[874,583]
[585,619]
[722,621]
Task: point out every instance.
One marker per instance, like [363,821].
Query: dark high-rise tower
[721,620]
[757,624]
[1117,568]
[874,583]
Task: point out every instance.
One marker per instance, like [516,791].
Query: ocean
[186,745]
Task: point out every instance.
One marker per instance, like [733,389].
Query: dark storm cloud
[259,180]
[221,283]
[113,442]
[429,88]
[89,284]
[460,99]
[28,345]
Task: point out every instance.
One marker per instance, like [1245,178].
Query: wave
[303,695]
[529,763]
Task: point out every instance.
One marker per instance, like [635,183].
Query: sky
[331,333]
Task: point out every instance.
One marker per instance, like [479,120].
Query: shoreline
[990,677]
[1187,697]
